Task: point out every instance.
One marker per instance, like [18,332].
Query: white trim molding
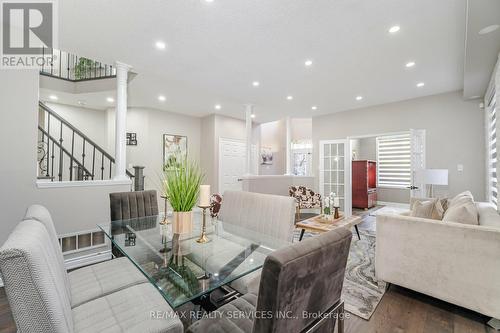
[82,183]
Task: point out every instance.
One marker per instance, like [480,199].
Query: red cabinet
[364,184]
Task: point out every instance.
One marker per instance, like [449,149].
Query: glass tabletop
[183,269]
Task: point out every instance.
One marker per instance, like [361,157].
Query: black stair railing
[65,153]
[70,67]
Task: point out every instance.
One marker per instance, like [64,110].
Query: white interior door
[335,171]
[232,157]
[418,186]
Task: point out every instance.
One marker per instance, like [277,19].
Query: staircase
[67,154]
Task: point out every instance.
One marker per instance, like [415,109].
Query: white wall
[150,125]
[73,209]
[90,121]
[273,136]
[455,134]
[301,129]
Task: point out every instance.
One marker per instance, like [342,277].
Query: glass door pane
[333,170]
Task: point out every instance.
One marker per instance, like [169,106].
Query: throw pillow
[423,209]
[465,213]
[462,198]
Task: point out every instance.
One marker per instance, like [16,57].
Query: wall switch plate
[460,167]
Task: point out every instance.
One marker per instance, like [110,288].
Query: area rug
[361,292]
[391,210]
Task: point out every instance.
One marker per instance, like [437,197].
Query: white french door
[418,186]
[335,171]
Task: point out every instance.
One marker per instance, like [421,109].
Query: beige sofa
[458,263]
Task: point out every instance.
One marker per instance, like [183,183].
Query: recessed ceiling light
[110,99]
[488,29]
[162,98]
[252,115]
[81,102]
[308,63]
[289,97]
[394,29]
[53,97]
[209,0]
[358,98]
[160,45]
[420,84]
[410,64]
[217,107]
[255,83]
[314,107]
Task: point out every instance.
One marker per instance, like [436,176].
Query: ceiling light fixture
[420,84]
[308,63]
[53,97]
[289,97]
[314,107]
[160,45]
[255,83]
[252,115]
[81,102]
[358,98]
[110,99]
[410,64]
[162,98]
[394,29]
[217,107]
[209,0]
[488,29]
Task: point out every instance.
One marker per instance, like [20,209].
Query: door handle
[412,187]
[240,179]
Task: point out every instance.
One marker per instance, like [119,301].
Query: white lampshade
[436,176]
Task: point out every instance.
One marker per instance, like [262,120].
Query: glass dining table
[182,269]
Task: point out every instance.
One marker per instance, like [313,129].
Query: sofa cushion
[138,309]
[462,213]
[488,215]
[101,279]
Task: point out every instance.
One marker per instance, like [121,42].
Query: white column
[248,129]
[121,121]
[288,146]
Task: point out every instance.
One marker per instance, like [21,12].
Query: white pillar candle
[205,195]
[336,202]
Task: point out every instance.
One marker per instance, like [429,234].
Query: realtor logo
[28,30]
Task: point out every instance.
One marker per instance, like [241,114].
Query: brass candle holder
[165,220]
[203,237]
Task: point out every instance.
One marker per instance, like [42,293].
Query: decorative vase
[183,222]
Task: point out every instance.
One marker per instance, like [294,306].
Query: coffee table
[320,224]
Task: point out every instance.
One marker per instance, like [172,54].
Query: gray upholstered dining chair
[41,299]
[304,278]
[270,215]
[89,282]
[129,205]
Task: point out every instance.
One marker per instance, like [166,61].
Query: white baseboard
[393,204]
[87,259]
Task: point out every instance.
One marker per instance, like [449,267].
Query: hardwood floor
[400,311]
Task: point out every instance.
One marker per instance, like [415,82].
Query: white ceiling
[215,50]
[481,50]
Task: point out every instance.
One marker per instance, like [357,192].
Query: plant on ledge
[181,185]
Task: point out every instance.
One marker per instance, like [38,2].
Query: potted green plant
[181,185]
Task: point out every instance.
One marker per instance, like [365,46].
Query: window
[302,158]
[492,149]
[394,160]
